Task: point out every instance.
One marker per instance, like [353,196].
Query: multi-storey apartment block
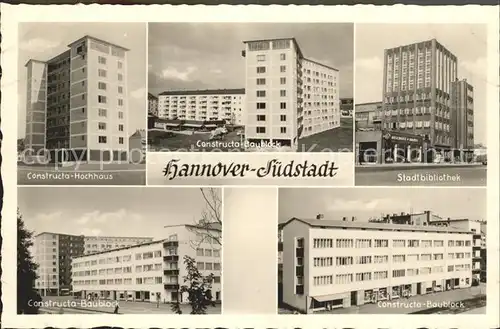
[152,271]
[462,103]
[53,253]
[203,105]
[287,96]
[152,104]
[77,101]
[340,263]
[417,89]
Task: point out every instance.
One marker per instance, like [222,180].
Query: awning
[326,298]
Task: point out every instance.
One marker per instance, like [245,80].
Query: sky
[43,41]
[467,41]
[208,55]
[364,203]
[108,211]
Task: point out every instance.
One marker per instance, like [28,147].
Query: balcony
[171,243]
[171,258]
[171,272]
[171,286]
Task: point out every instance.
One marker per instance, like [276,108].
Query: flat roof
[192,92]
[99,40]
[123,248]
[339,224]
[277,39]
[321,64]
[96,236]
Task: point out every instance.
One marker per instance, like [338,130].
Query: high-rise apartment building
[462,103]
[152,104]
[342,263]
[77,101]
[203,105]
[287,96]
[53,253]
[151,271]
[417,91]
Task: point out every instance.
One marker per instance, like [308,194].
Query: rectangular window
[120,140]
[261,69]
[282,81]
[282,57]
[102,60]
[261,106]
[283,93]
[282,68]
[120,64]
[283,105]
[120,127]
[101,85]
[102,73]
[120,77]
[261,81]
[261,58]
[283,117]
[102,139]
[261,118]
[283,130]
[102,126]
[103,113]
[101,99]
[120,115]
[261,130]
[120,102]
[261,93]
[120,89]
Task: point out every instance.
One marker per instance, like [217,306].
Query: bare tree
[208,227]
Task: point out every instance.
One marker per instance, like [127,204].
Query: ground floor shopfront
[163,296]
[369,296]
[381,146]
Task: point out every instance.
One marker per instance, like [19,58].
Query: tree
[209,226]
[26,271]
[197,286]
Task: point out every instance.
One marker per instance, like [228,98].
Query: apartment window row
[262,57]
[343,278]
[365,276]
[323,261]
[364,260]
[459,243]
[262,81]
[262,106]
[204,266]
[102,126]
[262,93]
[343,261]
[207,252]
[148,255]
[103,113]
[363,243]
[323,243]
[323,280]
[148,267]
[262,130]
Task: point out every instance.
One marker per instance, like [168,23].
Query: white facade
[346,265]
[149,272]
[287,96]
[321,98]
[203,105]
[46,256]
[36,105]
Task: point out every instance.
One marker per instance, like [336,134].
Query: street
[128,307]
[433,176]
[85,174]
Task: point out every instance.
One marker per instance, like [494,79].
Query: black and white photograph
[421,104]
[250,87]
[396,251]
[81,98]
[142,251]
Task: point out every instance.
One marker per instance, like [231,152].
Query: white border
[300,14]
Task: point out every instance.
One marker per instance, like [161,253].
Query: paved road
[85,176]
[127,308]
[444,176]
[334,140]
